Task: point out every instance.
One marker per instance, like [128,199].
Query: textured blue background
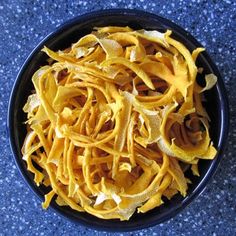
[24,23]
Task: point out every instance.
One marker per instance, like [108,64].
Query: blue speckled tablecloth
[23,23]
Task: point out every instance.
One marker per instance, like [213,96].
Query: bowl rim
[220,90]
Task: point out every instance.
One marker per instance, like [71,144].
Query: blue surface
[24,23]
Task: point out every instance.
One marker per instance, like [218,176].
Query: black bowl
[217,107]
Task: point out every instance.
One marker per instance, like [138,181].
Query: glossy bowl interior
[217,107]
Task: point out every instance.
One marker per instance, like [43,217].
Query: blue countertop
[23,24]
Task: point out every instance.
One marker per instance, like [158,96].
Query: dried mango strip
[111,47]
[136,53]
[57,189]
[133,67]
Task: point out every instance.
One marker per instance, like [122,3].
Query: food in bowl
[115,121]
